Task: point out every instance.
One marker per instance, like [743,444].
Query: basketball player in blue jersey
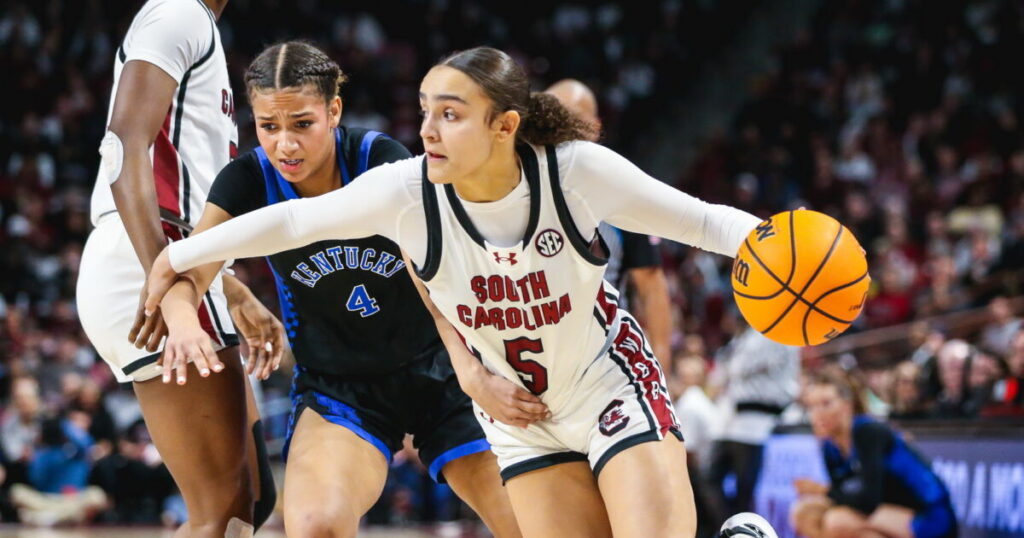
[370,365]
[170,129]
[499,218]
[881,487]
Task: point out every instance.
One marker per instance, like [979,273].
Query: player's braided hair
[544,119]
[292,65]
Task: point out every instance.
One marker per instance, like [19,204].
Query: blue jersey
[349,306]
[883,469]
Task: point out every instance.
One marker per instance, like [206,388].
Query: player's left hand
[263,333]
[147,331]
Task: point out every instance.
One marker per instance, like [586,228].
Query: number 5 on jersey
[532,373]
[360,301]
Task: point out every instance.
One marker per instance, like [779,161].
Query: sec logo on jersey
[549,242]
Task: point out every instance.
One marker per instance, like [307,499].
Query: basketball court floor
[144,532]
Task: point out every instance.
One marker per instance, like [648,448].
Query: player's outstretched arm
[618,192]
[497,396]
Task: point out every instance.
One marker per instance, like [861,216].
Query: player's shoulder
[870,430]
[246,165]
[382,148]
[170,12]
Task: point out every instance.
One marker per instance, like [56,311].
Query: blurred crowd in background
[902,118]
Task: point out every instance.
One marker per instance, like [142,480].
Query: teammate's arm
[144,94]
[498,397]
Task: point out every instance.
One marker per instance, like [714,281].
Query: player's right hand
[187,342]
[507,402]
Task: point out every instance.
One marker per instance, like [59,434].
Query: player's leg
[895,522]
[200,429]
[559,501]
[451,442]
[264,489]
[475,479]
[845,522]
[332,478]
[807,515]
[646,489]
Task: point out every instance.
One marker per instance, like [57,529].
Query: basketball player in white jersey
[170,129]
[501,235]
[632,258]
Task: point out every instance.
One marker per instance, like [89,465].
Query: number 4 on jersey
[360,301]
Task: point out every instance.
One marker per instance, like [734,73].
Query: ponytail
[547,121]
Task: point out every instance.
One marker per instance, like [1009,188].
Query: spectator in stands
[962,396]
[867,496]
[1001,328]
[58,474]
[1008,392]
[907,399]
[20,427]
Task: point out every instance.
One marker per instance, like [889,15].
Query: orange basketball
[800,278]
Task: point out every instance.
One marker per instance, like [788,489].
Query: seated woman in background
[881,487]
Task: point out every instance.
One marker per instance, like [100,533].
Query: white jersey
[199,135]
[538,311]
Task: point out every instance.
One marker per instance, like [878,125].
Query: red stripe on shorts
[629,343]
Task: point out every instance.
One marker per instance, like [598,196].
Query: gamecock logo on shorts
[549,242]
[612,419]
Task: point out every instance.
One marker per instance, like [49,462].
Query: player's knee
[841,522]
[321,521]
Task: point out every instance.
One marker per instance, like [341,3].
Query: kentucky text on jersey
[339,258]
[495,288]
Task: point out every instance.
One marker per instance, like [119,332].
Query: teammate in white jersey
[170,129]
[506,256]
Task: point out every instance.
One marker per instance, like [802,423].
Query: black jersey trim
[462,216]
[576,238]
[179,112]
[540,462]
[434,236]
[139,363]
[216,319]
[630,442]
[120,53]
[528,157]
[532,173]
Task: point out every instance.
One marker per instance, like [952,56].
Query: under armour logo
[511,258]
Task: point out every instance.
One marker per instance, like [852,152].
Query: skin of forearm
[135,198]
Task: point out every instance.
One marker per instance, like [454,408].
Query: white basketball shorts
[620,401]
[110,281]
